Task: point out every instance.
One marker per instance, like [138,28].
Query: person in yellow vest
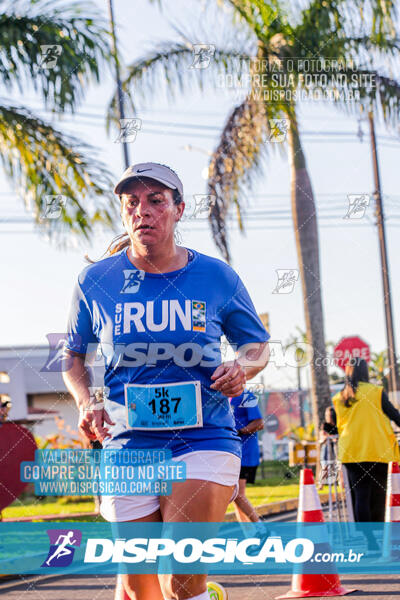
[367,442]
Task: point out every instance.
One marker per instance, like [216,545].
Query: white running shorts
[209,465]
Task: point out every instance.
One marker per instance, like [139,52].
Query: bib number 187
[163,402]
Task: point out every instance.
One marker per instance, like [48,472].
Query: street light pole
[118,80]
[393,376]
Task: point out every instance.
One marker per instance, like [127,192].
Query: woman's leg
[140,586]
[379,474]
[244,510]
[193,500]
[361,484]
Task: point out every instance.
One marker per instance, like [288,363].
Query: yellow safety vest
[365,432]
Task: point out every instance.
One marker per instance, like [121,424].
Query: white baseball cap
[155,171]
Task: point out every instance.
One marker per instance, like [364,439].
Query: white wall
[66,409]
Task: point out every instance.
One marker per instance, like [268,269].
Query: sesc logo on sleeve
[198,315]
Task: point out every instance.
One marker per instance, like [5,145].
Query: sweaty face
[148,211]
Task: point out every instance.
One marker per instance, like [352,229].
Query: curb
[273,508]
[55,517]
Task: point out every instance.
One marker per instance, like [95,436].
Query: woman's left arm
[242,327]
[389,410]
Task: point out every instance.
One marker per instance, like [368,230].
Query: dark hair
[332,415]
[122,240]
[359,373]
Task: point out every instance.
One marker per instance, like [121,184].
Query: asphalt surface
[238,587]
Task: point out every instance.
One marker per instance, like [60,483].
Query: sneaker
[216,591]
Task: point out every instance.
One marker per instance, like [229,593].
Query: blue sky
[38,277]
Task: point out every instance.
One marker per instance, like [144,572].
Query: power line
[215,128]
[248,216]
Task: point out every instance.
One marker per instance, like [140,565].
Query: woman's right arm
[92,416]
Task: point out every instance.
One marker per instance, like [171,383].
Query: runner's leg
[245,511]
[141,586]
[193,500]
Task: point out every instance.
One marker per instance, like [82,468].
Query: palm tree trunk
[306,233]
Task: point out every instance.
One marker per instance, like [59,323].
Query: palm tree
[379,368]
[55,49]
[343,30]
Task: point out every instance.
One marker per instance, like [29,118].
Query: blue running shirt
[243,415]
[131,312]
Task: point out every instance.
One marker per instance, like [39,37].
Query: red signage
[350,347]
[17,444]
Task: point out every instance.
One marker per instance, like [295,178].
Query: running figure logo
[278,130]
[286,281]
[251,396]
[202,55]
[57,361]
[128,130]
[133,278]
[54,206]
[49,55]
[358,204]
[203,204]
[62,547]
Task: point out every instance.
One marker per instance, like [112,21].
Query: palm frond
[385,97]
[171,64]
[44,165]
[265,18]
[351,89]
[237,158]
[321,24]
[147,72]
[381,13]
[32,32]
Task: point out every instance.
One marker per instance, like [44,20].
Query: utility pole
[393,375]
[300,396]
[121,113]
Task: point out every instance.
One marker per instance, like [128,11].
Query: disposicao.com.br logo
[192,550]
[212,548]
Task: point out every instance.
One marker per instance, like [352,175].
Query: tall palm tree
[336,29]
[55,49]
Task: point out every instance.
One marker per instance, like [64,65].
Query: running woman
[174,304]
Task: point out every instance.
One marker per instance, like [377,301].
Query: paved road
[239,587]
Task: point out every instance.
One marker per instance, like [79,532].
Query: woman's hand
[229,378]
[78,380]
[91,422]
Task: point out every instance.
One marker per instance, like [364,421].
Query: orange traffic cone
[392,512]
[310,511]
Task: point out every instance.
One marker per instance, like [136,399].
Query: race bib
[164,406]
